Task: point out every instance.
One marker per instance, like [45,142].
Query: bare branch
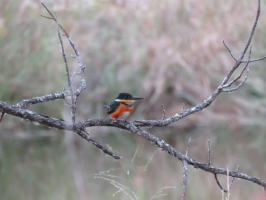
[229,51]
[82,68]
[56,123]
[61,124]
[70,85]
[49,97]
[80,65]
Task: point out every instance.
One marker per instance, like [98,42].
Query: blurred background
[169,52]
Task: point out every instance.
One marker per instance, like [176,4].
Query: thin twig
[229,51]
[229,186]
[239,85]
[189,141]
[182,111]
[228,189]
[2,115]
[218,183]
[46,16]
[163,112]
[183,107]
[241,73]
[209,152]
[184,185]
[254,60]
[237,169]
[242,82]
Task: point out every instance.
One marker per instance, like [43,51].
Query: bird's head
[127,98]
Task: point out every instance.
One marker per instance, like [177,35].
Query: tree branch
[105,150]
[81,67]
[122,124]
[49,97]
[70,84]
[82,87]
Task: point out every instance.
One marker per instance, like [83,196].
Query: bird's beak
[136,98]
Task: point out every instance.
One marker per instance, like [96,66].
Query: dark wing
[112,108]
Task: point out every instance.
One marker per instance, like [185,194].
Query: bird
[122,106]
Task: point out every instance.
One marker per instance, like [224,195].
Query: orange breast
[120,110]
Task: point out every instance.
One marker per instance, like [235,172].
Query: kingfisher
[122,106]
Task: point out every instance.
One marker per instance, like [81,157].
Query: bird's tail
[106,106]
